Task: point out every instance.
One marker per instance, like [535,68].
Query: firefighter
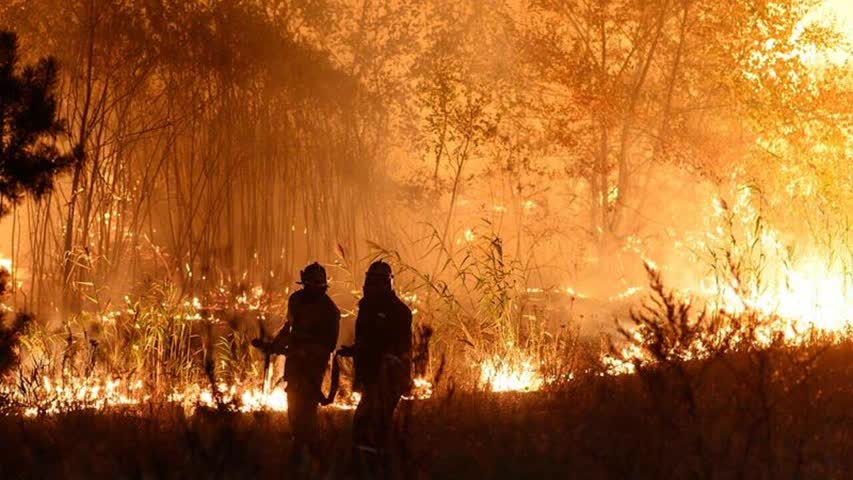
[308,338]
[382,360]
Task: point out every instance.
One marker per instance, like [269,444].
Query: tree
[631,84]
[29,157]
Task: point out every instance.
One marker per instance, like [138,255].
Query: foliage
[482,308]
[10,340]
[29,125]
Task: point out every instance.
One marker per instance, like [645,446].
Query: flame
[50,396]
[792,297]
[421,389]
[516,373]
[6,264]
[810,296]
[810,290]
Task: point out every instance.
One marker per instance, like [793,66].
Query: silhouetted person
[382,359]
[308,338]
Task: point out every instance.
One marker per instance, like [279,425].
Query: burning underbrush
[727,393]
[773,413]
[511,374]
[195,353]
[481,326]
[156,349]
[667,329]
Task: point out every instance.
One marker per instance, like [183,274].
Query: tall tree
[631,83]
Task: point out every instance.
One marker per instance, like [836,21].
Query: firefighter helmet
[380,269]
[314,275]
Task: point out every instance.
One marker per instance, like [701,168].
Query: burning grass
[702,394]
[743,375]
[511,374]
[735,416]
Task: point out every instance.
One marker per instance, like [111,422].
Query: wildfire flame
[516,373]
[52,396]
[6,264]
[811,296]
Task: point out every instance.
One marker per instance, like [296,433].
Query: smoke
[231,144]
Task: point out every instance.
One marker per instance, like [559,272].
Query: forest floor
[774,414]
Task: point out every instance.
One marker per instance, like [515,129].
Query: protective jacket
[309,336]
[383,333]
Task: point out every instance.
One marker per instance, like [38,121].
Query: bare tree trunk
[69,303]
[628,125]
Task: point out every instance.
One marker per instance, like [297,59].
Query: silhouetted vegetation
[779,413]
[29,157]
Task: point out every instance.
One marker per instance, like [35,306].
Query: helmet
[378,277]
[380,269]
[314,275]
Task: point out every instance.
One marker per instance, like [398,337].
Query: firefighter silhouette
[382,360]
[307,339]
